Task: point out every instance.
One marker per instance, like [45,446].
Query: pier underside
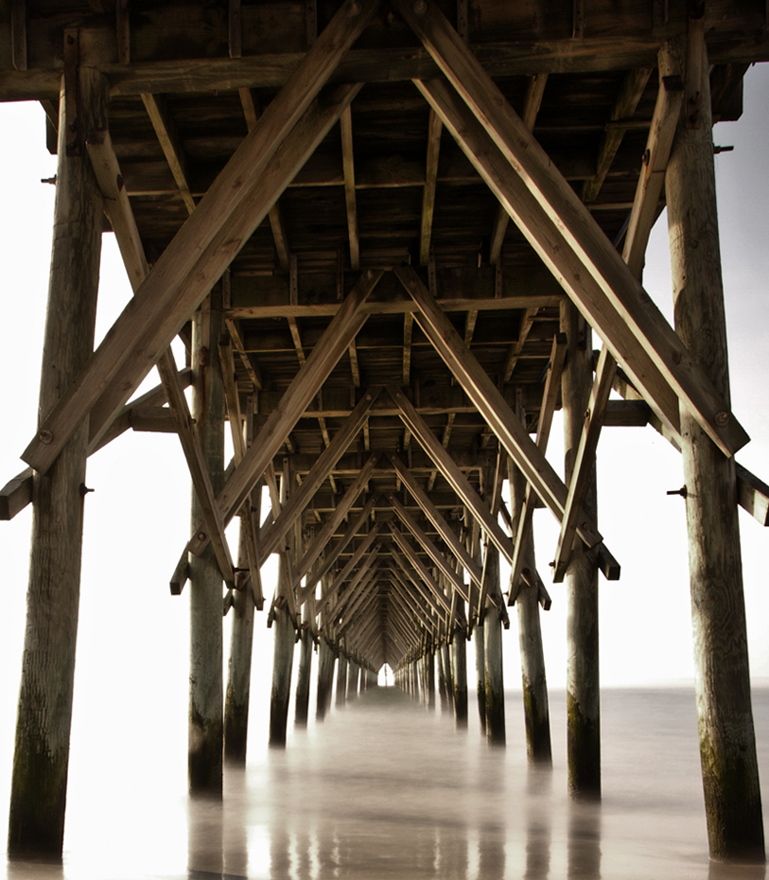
[389,236]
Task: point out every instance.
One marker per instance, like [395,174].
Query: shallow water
[385,789]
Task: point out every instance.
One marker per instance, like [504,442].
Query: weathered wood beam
[428,546]
[637,47]
[535,91]
[434,129]
[615,304]
[408,327]
[331,558]
[436,518]
[19,34]
[271,535]
[170,143]
[420,578]
[655,162]
[491,404]
[324,536]
[584,461]
[351,203]
[123,31]
[624,108]
[421,569]
[456,479]
[357,590]
[544,424]
[16,494]
[298,395]
[353,561]
[515,351]
[236,203]
[118,209]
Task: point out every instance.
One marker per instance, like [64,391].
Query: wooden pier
[393,237]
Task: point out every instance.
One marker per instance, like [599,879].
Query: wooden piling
[41,756]
[304,673]
[533,677]
[479,642]
[326,662]
[352,679]
[282,662]
[722,680]
[206,721]
[583,701]
[459,677]
[494,680]
[429,661]
[239,670]
[341,680]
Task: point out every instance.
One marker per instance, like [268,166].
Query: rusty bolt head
[45,437]
[201,536]
[722,419]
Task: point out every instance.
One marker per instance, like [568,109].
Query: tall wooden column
[352,679]
[479,643]
[282,661]
[341,680]
[727,740]
[429,661]
[325,678]
[534,680]
[459,677]
[239,669]
[583,700]
[492,625]
[39,781]
[302,698]
[206,723]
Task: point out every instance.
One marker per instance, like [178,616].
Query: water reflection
[385,789]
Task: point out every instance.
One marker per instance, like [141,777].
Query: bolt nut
[722,419]
[201,536]
[45,437]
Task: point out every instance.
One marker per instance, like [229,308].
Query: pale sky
[133,634]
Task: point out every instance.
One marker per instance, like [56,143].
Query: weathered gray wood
[41,755]
[493,672]
[480,668]
[533,675]
[583,723]
[435,128]
[584,460]
[491,404]
[294,402]
[722,679]
[302,695]
[16,494]
[229,213]
[612,299]
[282,660]
[238,691]
[206,722]
[353,671]
[341,680]
[272,534]
[326,662]
[331,525]
[459,676]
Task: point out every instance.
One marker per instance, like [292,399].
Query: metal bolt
[683,492]
[420,7]
[722,419]
[201,536]
[45,437]
[84,490]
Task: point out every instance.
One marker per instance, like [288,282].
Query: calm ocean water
[385,789]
